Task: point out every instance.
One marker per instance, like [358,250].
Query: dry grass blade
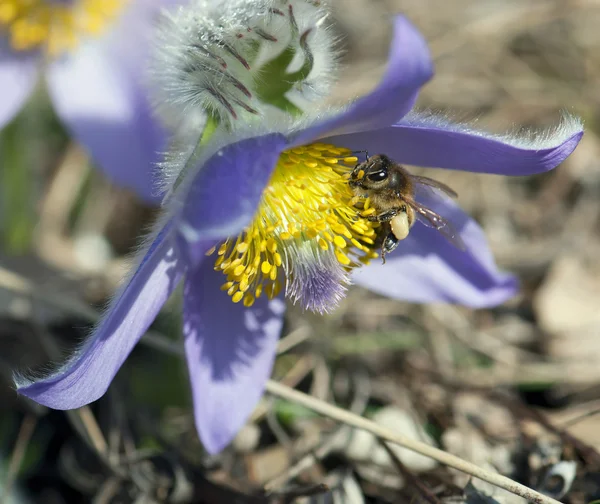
[443,457]
[410,477]
[23,438]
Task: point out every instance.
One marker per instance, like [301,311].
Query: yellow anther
[248,300]
[342,258]
[242,247]
[271,245]
[311,233]
[368,211]
[265,267]
[338,228]
[238,270]
[244,284]
[226,286]
[211,251]
[339,241]
[237,297]
[323,244]
[273,273]
[277,259]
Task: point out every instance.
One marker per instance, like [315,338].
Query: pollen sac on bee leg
[400,225]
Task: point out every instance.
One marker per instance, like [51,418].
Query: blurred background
[515,389]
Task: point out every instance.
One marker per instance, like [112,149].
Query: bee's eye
[378,176]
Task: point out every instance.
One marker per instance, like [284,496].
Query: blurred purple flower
[96,84]
[230,347]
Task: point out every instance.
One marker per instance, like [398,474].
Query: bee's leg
[385,216]
[389,245]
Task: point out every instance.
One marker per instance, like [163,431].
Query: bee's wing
[426,181]
[433,220]
[426,189]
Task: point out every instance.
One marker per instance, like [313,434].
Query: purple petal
[434,142]
[100,92]
[18,75]
[230,351]
[88,374]
[426,267]
[409,67]
[225,191]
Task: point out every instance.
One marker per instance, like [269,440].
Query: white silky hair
[525,138]
[208,57]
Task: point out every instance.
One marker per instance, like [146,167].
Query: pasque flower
[91,53]
[262,209]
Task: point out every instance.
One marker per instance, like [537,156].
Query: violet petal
[409,67]
[223,196]
[230,351]
[427,268]
[434,142]
[18,76]
[99,91]
[90,371]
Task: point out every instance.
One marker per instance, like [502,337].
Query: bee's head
[373,173]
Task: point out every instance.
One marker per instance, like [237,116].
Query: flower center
[56,25]
[307,234]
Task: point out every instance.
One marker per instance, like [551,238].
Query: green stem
[16,213]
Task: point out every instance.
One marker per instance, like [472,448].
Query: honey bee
[391,189]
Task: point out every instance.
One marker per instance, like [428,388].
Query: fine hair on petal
[526,138]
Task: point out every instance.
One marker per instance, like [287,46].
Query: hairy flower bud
[235,61]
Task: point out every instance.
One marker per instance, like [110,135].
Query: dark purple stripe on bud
[278,12]
[244,105]
[210,54]
[223,101]
[267,36]
[293,22]
[235,54]
[236,83]
[306,49]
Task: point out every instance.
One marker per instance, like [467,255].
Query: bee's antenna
[366,153]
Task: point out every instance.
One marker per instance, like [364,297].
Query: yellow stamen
[308,203]
[57,27]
